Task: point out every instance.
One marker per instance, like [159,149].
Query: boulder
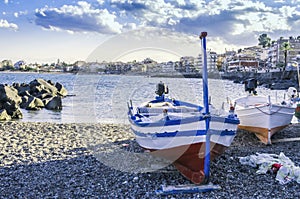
[62,91]
[34,103]
[50,82]
[54,103]
[44,95]
[39,85]
[23,89]
[10,94]
[24,101]
[33,96]
[4,115]
[11,109]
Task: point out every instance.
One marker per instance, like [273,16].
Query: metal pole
[298,77]
[206,105]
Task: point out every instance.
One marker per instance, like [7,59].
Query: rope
[270,106]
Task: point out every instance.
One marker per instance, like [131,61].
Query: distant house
[79,65]
[20,65]
[168,67]
[7,63]
[243,62]
[33,66]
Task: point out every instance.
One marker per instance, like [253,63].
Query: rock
[23,89]
[51,82]
[54,103]
[38,85]
[34,103]
[283,80]
[62,91]
[32,96]
[17,114]
[24,101]
[4,115]
[10,94]
[282,85]
[44,95]
[13,110]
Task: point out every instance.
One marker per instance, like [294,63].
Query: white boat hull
[264,119]
[178,131]
[151,137]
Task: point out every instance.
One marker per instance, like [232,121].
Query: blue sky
[44,31]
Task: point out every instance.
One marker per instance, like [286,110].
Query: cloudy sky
[45,30]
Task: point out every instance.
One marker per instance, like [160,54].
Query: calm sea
[103,98]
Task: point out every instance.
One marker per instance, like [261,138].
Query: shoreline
[275,80]
[71,160]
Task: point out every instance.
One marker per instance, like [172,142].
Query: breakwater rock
[36,95]
[273,80]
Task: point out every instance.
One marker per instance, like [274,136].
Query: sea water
[103,98]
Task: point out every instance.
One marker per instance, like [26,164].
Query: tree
[264,40]
[285,47]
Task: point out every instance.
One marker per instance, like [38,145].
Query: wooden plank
[286,140]
[183,189]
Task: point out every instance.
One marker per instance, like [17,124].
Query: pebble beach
[51,160]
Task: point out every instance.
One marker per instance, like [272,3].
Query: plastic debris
[282,166]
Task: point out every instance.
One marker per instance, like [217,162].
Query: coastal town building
[187,64]
[253,58]
[276,53]
[242,62]
[6,64]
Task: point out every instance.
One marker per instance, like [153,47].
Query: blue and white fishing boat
[184,133]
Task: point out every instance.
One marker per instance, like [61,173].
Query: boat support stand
[192,188]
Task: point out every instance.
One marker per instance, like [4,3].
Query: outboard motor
[251,85]
[292,92]
[161,89]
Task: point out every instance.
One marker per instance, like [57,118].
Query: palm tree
[285,47]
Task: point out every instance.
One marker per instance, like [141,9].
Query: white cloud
[5,24]
[78,18]
[101,2]
[6,1]
[287,11]
[226,19]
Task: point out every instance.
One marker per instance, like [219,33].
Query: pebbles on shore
[50,160]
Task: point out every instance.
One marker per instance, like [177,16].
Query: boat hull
[178,131]
[170,136]
[189,159]
[265,120]
[184,144]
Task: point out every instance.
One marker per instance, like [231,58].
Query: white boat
[259,115]
[184,133]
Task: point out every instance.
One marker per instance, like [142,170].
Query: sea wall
[273,80]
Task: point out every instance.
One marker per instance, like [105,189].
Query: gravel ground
[47,160]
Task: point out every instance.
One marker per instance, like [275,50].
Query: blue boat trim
[190,133]
[136,120]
